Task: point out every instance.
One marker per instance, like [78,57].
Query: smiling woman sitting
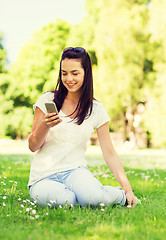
[59,172]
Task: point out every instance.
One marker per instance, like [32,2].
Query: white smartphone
[51,107]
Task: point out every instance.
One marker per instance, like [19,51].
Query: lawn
[22,219]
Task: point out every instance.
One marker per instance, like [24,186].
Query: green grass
[146,221]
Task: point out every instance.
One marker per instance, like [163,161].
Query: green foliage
[3,56]
[37,63]
[6,103]
[127,44]
[35,72]
[123,55]
[19,122]
[155,116]
[15,121]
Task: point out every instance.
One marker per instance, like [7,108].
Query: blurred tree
[155,116]
[36,69]
[127,44]
[3,56]
[35,72]
[6,106]
[83,34]
[125,64]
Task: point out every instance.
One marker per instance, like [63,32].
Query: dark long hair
[85,104]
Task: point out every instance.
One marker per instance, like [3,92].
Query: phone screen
[51,107]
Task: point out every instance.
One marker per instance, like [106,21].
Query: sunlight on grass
[143,159]
[102,231]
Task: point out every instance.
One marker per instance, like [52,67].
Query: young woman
[59,172]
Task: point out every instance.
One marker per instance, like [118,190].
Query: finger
[54,122]
[129,202]
[135,202]
[53,118]
[48,115]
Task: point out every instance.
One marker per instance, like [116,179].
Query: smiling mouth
[71,85]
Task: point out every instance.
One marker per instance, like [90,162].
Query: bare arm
[113,161]
[41,125]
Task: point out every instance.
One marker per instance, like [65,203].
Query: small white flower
[102,209]
[36,216]
[19,199]
[31,217]
[15,182]
[47,213]
[34,211]
[10,181]
[22,205]
[28,200]
[24,201]
[4,204]
[129,206]
[60,206]
[27,210]
[32,204]
[146,177]
[71,205]
[35,202]
[4,197]
[8,215]
[5,177]
[49,204]
[102,204]
[162,181]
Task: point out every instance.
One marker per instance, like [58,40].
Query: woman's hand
[41,126]
[52,119]
[131,199]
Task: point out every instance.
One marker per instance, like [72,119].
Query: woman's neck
[73,97]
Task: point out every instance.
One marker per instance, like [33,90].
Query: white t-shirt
[65,144]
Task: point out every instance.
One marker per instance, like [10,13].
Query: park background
[127,44]
[126,40]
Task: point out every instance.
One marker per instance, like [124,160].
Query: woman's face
[72,75]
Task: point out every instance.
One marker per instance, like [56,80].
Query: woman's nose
[69,77]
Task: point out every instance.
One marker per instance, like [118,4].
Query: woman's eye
[75,74]
[64,74]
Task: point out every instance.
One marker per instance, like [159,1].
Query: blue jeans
[75,186]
